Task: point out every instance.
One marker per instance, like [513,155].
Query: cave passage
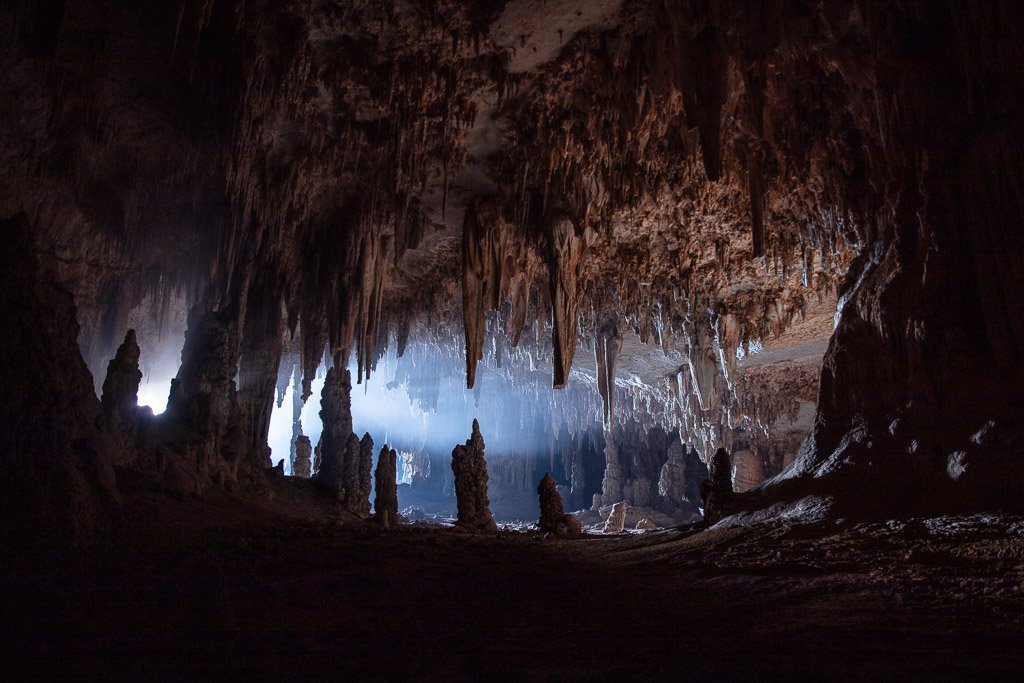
[576,338]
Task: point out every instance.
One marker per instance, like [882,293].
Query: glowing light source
[154,394]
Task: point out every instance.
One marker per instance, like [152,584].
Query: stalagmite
[607,343]
[357,496]
[385,502]
[345,462]
[120,410]
[616,519]
[470,471]
[672,481]
[611,484]
[261,348]
[303,449]
[716,491]
[553,518]
[202,400]
[564,257]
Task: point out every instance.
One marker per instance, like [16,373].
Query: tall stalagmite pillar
[303,450]
[385,503]
[470,471]
[119,404]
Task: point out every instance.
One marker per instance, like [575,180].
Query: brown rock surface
[470,470]
[303,451]
[616,519]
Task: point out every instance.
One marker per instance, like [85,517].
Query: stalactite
[564,257]
[476,277]
[607,344]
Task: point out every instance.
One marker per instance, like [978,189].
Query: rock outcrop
[616,521]
[385,502]
[204,439]
[553,518]
[470,470]
[57,484]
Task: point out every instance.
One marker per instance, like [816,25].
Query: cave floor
[240,586]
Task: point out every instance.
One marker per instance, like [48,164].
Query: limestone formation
[607,344]
[611,484]
[470,470]
[705,173]
[119,403]
[302,464]
[646,525]
[357,496]
[56,482]
[672,480]
[616,521]
[345,461]
[202,403]
[385,502]
[553,518]
[337,438]
[716,491]
[748,470]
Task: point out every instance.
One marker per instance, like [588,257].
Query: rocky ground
[245,586]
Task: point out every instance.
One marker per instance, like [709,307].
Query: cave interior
[516,338]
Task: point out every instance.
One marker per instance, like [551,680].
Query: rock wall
[56,480]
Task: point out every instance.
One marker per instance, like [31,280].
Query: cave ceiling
[618,158]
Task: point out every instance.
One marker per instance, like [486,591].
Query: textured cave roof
[322,156]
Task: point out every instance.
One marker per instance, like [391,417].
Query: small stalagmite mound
[385,503]
[470,469]
[616,519]
[553,518]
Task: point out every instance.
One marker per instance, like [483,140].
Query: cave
[527,339]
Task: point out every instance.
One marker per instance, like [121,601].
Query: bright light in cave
[154,394]
[392,410]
